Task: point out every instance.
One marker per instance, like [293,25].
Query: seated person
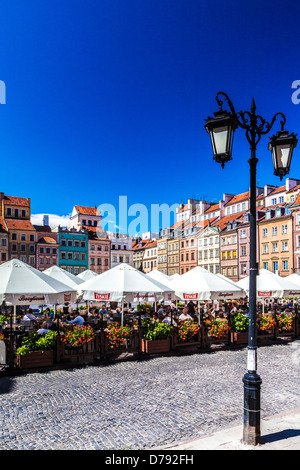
[29,316]
[44,328]
[77,321]
[184,317]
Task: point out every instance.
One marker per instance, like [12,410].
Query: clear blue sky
[108,97]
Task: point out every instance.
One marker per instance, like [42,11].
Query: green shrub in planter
[36,342]
[154,331]
[239,323]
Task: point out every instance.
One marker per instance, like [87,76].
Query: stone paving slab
[141,405]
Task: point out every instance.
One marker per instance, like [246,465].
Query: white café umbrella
[123,282]
[21,284]
[200,284]
[295,278]
[269,285]
[160,277]
[64,276]
[85,275]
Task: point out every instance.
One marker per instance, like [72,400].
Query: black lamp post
[221,130]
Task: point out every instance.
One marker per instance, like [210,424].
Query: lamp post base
[251,431]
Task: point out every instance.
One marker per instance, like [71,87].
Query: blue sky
[107,98]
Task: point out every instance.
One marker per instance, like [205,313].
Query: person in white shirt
[184,317]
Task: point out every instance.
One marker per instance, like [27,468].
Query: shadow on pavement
[277,436]
[6,385]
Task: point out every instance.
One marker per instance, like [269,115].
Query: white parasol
[123,282]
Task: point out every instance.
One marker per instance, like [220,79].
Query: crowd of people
[169,313]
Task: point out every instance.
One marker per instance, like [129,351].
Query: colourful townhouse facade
[73,249]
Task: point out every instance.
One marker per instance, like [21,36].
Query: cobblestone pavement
[142,404]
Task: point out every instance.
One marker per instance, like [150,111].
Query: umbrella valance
[200,284]
[269,285]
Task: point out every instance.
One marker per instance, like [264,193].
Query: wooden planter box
[155,347]
[239,337]
[35,359]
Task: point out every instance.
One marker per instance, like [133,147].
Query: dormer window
[268,215]
[278,212]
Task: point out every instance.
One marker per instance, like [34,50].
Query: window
[23,247]
[3,256]
[243,233]
[243,206]
[82,244]
[275,247]
[13,236]
[23,213]
[70,256]
[274,201]
[23,237]
[235,271]
[265,248]
[31,248]
[92,261]
[63,255]
[16,212]
[243,251]
[8,212]
[274,230]
[70,242]
[281,199]
[275,266]
[285,265]
[265,232]
[243,269]
[285,246]
[63,242]
[31,238]
[14,247]
[266,265]
[284,228]
[3,242]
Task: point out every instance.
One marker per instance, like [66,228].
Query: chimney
[46,220]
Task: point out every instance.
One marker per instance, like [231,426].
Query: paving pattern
[142,404]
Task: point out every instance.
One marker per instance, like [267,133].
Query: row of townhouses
[83,245]
[215,236]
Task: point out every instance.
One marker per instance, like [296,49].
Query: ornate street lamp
[282,145]
[221,130]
